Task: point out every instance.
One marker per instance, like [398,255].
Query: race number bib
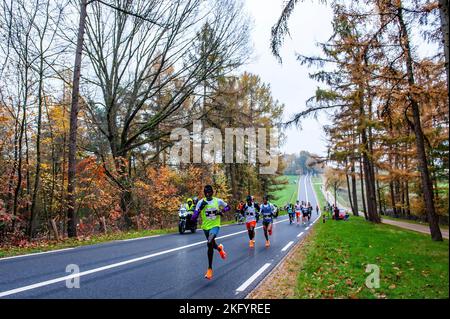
[211,214]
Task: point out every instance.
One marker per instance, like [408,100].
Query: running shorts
[251,224]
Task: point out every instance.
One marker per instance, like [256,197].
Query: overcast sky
[310,23]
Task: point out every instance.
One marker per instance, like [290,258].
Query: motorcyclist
[190,206]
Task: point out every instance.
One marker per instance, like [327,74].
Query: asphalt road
[167,266]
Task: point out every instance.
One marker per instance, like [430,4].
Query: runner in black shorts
[267,212]
[309,210]
[304,213]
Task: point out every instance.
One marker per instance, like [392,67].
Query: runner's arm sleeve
[197,210]
[225,206]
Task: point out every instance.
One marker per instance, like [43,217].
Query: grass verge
[411,265]
[331,263]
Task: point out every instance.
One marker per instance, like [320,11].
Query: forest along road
[167,266]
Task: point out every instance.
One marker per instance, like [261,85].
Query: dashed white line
[252,278]
[131,239]
[300,234]
[287,246]
[306,190]
[307,228]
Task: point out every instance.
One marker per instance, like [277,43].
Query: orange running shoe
[222,252]
[251,243]
[267,243]
[209,274]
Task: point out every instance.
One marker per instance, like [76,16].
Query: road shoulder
[281,282]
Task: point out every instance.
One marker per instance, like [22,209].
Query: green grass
[289,193]
[411,265]
[317,183]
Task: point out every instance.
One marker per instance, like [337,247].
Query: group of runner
[301,210]
[211,209]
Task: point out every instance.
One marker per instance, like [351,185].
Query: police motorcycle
[185,222]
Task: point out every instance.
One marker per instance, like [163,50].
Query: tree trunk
[19,154]
[335,194]
[27,167]
[55,229]
[408,210]
[391,188]
[354,192]
[403,210]
[363,193]
[349,194]
[427,187]
[9,200]
[71,223]
[381,203]
[367,166]
[443,10]
[38,150]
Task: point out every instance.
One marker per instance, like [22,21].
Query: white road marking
[252,278]
[287,246]
[140,238]
[35,254]
[307,228]
[300,234]
[65,249]
[126,262]
[306,191]
[299,184]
